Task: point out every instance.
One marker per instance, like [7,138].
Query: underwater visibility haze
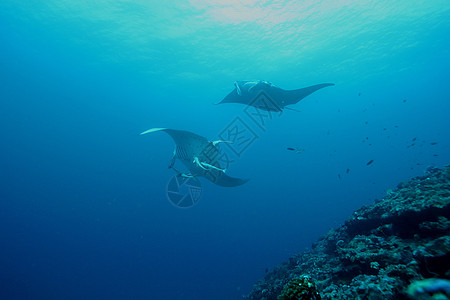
[89,208]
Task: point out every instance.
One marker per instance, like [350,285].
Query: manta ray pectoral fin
[294,96]
[220,141]
[223,179]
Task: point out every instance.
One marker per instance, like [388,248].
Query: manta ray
[200,156]
[267,96]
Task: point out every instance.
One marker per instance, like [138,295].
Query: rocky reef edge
[396,248]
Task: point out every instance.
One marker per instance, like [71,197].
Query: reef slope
[381,249]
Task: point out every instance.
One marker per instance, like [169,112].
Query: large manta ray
[274,98]
[200,156]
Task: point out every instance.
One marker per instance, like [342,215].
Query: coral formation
[423,289]
[301,288]
[381,249]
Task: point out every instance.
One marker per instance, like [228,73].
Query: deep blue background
[83,211]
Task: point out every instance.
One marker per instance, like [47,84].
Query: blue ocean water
[83,206]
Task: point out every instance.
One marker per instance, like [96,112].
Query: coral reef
[423,289]
[401,239]
[301,288]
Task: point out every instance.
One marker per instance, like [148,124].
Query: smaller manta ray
[200,156]
[246,92]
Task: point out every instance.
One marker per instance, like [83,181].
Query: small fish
[435,154]
[385,128]
[297,150]
[369,162]
[433,143]
[366,122]
[414,139]
[348,170]
[339,176]
[359,94]
[404,100]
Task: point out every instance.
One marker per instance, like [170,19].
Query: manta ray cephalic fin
[203,165]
